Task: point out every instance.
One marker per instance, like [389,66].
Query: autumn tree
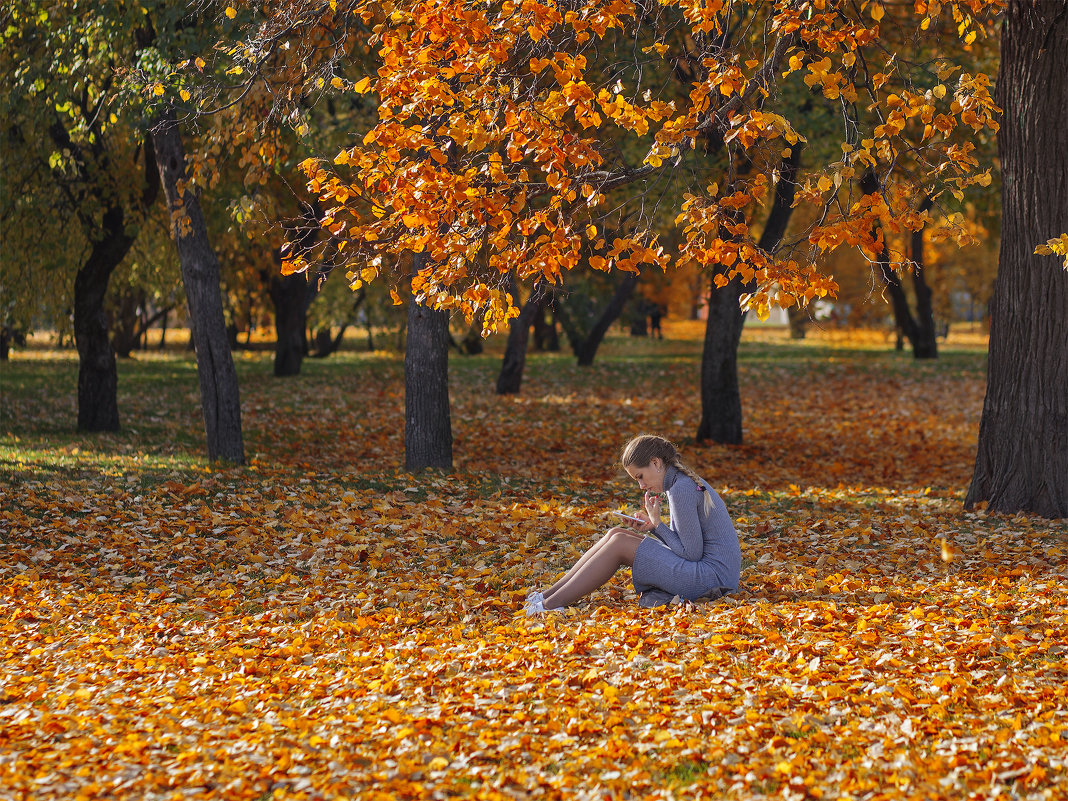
[95,166]
[504,130]
[1022,462]
[291,296]
[721,409]
[219,393]
[83,78]
[165,34]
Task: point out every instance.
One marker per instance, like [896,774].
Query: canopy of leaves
[321,624]
[503,127]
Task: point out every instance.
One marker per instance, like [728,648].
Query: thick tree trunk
[427,423]
[220,400]
[515,351]
[1022,460]
[798,322]
[721,400]
[98,407]
[292,296]
[925,341]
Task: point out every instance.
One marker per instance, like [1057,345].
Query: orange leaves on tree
[505,132]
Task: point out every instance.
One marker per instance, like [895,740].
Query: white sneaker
[535,606]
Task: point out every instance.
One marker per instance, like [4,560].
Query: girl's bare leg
[595,568]
[601,543]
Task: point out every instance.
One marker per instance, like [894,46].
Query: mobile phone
[628,517]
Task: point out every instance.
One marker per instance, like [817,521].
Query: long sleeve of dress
[684,536]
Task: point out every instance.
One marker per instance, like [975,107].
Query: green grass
[162,431]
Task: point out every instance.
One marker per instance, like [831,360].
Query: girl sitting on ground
[696,556]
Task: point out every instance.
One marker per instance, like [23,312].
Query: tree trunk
[546,337]
[326,343]
[7,337]
[925,343]
[899,302]
[427,423]
[585,346]
[163,329]
[472,344]
[291,296]
[1022,459]
[919,332]
[220,399]
[98,407]
[721,400]
[798,322]
[127,321]
[515,352]
[697,296]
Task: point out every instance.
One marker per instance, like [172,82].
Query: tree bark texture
[515,351]
[220,399]
[427,422]
[721,400]
[1022,460]
[98,407]
[291,296]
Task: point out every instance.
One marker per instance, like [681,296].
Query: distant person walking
[655,313]
[697,555]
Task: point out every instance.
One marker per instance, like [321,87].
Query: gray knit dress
[698,554]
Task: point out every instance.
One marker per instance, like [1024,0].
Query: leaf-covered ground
[320,624]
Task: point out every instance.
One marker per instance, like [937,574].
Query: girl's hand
[652,510]
[645,525]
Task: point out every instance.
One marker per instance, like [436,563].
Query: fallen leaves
[322,625]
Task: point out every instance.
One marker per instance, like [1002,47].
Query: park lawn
[321,624]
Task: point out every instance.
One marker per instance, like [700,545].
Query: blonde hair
[642,449]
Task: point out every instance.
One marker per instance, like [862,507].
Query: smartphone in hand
[629,517]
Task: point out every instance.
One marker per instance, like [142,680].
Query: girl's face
[651,477]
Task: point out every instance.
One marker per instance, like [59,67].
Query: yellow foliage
[1055,247]
[532,168]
